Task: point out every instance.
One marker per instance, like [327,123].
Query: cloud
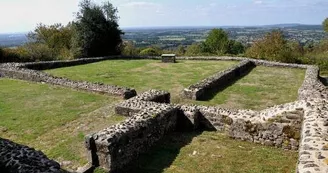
[258,2]
[141,4]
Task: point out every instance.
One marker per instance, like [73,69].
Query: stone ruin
[301,125]
[16,158]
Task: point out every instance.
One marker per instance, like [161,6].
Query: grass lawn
[212,152]
[53,119]
[261,88]
[145,74]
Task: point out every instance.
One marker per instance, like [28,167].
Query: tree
[193,50]
[217,42]
[235,47]
[129,49]
[97,32]
[180,50]
[151,51]
[1,54]
[53,38]
[325,24]
[274,47]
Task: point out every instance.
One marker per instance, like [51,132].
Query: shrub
[274,47]
[129,49]
[151,51]
[193,50]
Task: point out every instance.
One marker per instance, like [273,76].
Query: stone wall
[312,87]
[217,81]
[44,65]
[12,71]
[147,99]
[117,146]
[16,158]
[255,61]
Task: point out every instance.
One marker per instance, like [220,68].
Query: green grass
[53,119]
[145,74]
[212,152]
[263,87]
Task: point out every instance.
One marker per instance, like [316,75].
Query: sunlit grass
[53,119]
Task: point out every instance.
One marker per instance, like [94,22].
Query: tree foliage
[180,50]
[151,51]
[217,42]
[325,24]
[193,50]
[53,40]
[96,31]
[273,47]
[235,47]
[129,49]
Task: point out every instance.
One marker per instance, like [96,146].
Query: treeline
[273,46]
[217,43]
[94,32]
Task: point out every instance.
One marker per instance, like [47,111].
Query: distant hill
[288,25]
[12,39]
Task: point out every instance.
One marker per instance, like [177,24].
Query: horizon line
[189,26]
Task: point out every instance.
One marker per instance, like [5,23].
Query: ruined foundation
[301,125]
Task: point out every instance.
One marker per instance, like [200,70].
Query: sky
[24,15]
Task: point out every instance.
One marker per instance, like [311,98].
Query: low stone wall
[281,130]
[147,99]
[313,152]
[255,61]
[278,126]
[312,87]
[217,81]
[16,158]
[38,76]
[45,65]
[115,147]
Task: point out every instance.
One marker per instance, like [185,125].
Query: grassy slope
[212,152]
[52,119]
[263,87]
[145,74]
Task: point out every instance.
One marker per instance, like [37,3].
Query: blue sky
[23,15]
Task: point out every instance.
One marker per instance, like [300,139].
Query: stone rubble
[16,158]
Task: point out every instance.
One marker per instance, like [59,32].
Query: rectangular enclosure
[145,74]
[262,87]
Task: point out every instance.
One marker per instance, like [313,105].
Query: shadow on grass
[163,154]
[210,94]
[324,80]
